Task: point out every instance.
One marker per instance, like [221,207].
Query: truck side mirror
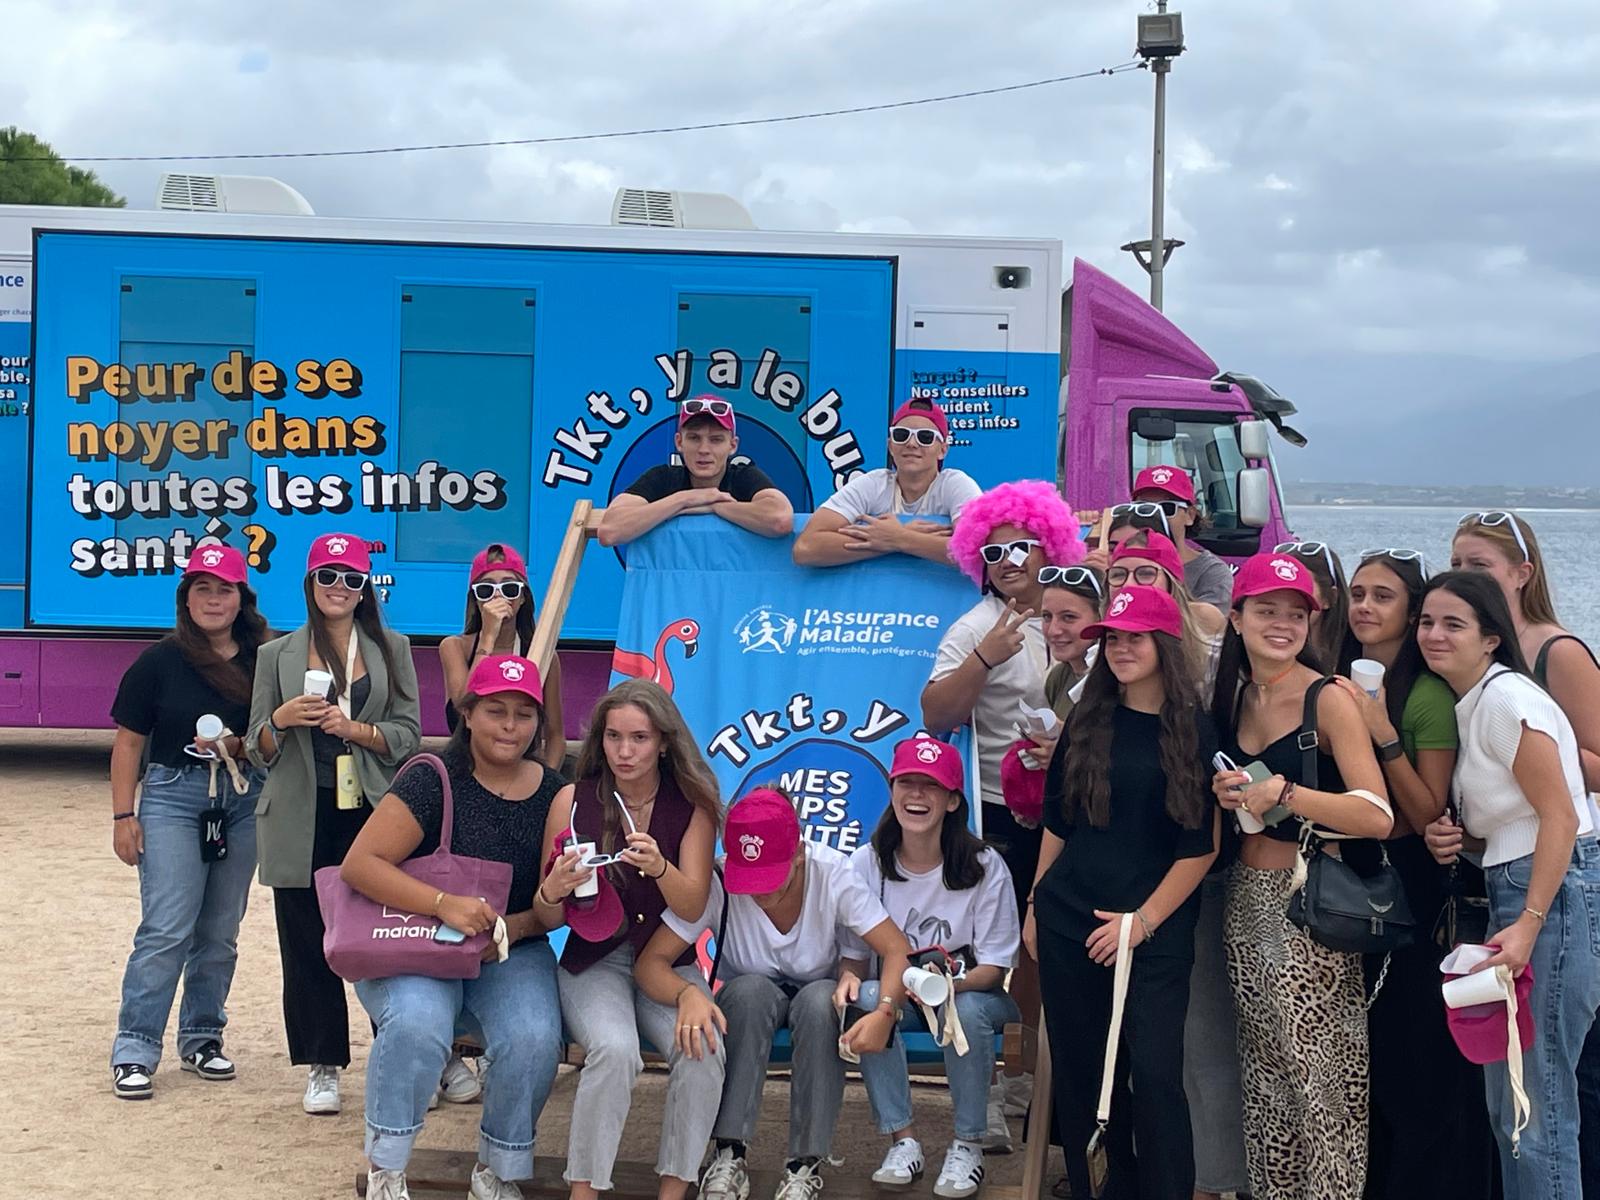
[1253,439]
[1255,497]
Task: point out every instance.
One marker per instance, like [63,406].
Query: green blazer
[286,812]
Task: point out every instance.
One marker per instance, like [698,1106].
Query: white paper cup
[1367,674]
[928,986]
[590,886]
[209,727]
[317,683]
[1483,988]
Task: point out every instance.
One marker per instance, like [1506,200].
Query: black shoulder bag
[1338,908]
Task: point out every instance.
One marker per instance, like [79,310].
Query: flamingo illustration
[656,668]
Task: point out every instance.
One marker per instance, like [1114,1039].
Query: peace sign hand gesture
[1004,640]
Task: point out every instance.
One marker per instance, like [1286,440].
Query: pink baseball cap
[1138,610]
[594,918]
[339,550]
[715,407]
[510,560]
[923,755]
[506,673]
[1480,1030]
[923,408]
[1263,573]
[1157,548]
[761,837]
[1174,481]
[226,563]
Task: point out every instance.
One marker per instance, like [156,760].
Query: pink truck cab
[1137,392]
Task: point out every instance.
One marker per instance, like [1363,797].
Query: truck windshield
[1207,446]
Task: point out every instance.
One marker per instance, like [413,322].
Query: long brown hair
[1085,785]
[1538,608]
[681,760]
[228,677]
[1326,639]
[473,621]
[368,617]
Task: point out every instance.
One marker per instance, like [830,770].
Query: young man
[1205,575]
[706,482]
[862,519]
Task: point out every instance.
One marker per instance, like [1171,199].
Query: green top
[1057,683]
[1428,721]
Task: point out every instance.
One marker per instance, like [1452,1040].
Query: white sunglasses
[597,859]
[1496,517]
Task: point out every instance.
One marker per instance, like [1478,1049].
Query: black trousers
[1148,1104]
[316,1016]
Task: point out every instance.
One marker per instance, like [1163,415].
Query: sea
[1569,540]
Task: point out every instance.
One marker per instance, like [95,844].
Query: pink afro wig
[1030,504]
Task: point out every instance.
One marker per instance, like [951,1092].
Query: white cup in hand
[317,683]
[1367,674]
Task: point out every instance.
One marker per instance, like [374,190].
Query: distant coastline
[1483,496]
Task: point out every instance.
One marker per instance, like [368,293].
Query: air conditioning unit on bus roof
[230,193]
[678,210]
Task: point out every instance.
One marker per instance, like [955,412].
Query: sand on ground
[68,910]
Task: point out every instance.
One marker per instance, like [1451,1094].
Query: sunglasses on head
[353,581]
[1070,577]
[1398,553]
[1312,549]
[1490,519]
[995,552]
[1148,509]
[717,408]
[1146,576]
[511,589]
[900,435]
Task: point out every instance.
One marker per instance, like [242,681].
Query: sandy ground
[68,909]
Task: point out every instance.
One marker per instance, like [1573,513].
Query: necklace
[1278,678]
[636,809]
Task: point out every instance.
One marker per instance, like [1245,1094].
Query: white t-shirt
[837,906]
[1017,681]
[875,494]
[1491,718]
[982,917]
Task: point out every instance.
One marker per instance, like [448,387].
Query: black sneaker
[129,1081]
[208,1062]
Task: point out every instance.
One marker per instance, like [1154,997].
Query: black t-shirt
[162,695]
[325,748]
[508,831]
[1116,868]
[741,481]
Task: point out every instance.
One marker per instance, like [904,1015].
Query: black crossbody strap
[722,930]
[1309,741]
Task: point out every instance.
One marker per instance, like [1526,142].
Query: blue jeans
[983,1015]
[1566,1045]
[189,913]
[518,1010]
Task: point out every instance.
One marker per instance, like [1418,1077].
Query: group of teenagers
[1256,1060]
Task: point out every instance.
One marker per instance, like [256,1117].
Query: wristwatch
[1390,751]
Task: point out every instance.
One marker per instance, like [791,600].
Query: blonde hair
[1534,598]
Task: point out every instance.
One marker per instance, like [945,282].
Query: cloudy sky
[1359,183]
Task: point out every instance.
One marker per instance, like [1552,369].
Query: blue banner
[795,676]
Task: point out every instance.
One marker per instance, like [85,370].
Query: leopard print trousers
[1302,1047]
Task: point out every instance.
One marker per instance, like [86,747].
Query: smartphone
[449,935]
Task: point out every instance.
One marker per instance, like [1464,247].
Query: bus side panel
[16,302]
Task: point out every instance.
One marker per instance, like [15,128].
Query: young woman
[368,721]
[777,912]
[190,903]
[1503,546]
[1070,598]
[1329,624]
[502,798]
[500,621]
[1427,1116]
[1148,559]
[643,791]
[1522,792]
[942,886]
[1207,577]
[1129,828]
[1301,1007]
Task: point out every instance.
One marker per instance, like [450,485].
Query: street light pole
[1160,41]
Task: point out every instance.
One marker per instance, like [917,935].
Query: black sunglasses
[354,581]
[511,589]
[995,551]
[900,435]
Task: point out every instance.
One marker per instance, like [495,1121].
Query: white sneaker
[725,1178]
[902,1165]
[802,1183]
[486,1185]
[997,1134]
[1018,1092]
[387,1185]
[962,1173]
[458,1084]
[129,1081]
[322,1092]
